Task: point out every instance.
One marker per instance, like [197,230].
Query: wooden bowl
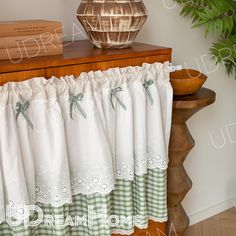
[187,81]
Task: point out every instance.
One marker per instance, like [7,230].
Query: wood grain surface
[83,52]
[181,143]
[223,224]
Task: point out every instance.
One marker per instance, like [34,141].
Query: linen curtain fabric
[96,143]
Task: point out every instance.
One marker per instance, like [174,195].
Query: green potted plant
[219,19]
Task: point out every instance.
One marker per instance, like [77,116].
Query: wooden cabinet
[79,57]
[21,75]
[103,65]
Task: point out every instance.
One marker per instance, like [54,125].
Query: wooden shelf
[83,52]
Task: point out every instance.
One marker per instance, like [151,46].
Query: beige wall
[212,164]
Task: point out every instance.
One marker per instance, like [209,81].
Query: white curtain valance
[61,137]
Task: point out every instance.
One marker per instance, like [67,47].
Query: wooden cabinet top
[202,98]
[81,52]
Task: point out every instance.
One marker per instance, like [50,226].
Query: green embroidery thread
[74,100]
[21,108]
[114,94]
[146,85]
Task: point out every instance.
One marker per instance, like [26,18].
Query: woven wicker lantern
[112,23]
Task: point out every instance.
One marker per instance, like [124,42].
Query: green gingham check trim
[145,196]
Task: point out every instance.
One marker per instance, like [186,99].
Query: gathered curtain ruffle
[69,136]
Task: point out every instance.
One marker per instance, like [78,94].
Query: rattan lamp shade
[112,23]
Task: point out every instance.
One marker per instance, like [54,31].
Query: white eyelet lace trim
[92,184]
[156,161]
[124,172]
[51,196]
